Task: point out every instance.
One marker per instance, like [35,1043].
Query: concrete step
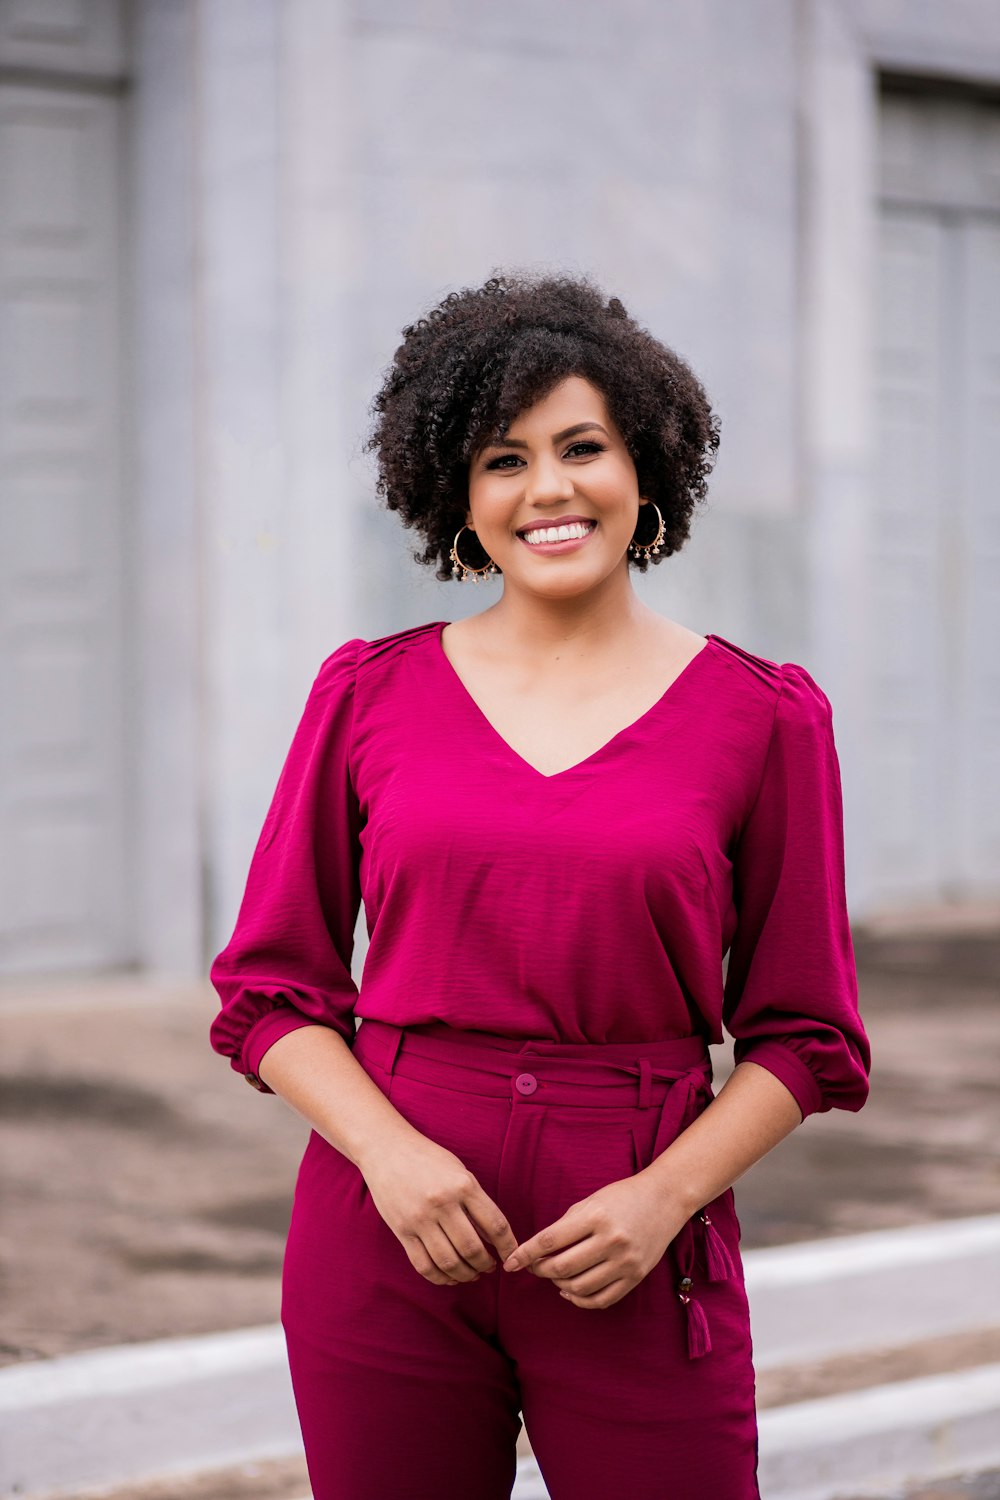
[874,1441]
[827,1297]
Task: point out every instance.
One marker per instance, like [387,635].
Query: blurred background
[216,216]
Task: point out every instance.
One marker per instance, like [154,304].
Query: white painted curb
[867,1442]
[131,1368]
[113,1416]
[873,1291]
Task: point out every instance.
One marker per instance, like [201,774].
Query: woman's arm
[751,1113]
[315,1071]
[430,1200]
[605,1244]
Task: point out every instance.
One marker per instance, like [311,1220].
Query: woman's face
[543,473]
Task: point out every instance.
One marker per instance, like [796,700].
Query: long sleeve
[288,962]
[791,993]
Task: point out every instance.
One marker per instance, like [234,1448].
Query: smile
[558,538]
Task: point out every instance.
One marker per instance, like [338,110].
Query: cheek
[492,514]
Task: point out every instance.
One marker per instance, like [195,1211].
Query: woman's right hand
[436,1209]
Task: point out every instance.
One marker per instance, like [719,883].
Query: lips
[545,543]
[556,521]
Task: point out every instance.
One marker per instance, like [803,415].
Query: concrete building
[215,218]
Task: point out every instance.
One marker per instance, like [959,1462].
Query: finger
[490,1220]
[593,1280]
[463,1233]
[422,1262]
[549,1241]
[607,1297]
[584,1255]
[446,1257]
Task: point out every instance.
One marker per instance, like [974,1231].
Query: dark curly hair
[463,374]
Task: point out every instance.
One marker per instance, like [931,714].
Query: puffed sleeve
[288,962]
[791,992]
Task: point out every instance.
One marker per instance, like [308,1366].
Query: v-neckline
[579,765]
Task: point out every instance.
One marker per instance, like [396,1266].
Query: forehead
[574,398]
[572,402]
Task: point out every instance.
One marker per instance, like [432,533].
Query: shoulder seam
[747,677]
[358,643]
[354,705]
[397,638]
[767,754]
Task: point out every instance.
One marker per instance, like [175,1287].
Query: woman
[560,814]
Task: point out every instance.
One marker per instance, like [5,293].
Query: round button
[526,1083]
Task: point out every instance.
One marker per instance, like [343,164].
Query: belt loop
[645,1083]
[395,1042]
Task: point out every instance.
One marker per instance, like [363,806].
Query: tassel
[717,1257]
[699,1338]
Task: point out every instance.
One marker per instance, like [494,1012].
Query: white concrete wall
[166,523]
[312,175]
[959,41]
[844,45]
[245,555]
[839,123]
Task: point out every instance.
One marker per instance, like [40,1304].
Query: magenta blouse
[594,905]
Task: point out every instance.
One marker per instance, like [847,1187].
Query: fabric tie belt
[679,1109]
[678,1069]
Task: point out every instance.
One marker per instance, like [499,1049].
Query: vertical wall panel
[907,658]
[62,772]
[976,844]
[933,673]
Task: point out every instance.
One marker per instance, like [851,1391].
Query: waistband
[674,1074]
[603,1074]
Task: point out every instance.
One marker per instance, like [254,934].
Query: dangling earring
[640,549]
[461,570]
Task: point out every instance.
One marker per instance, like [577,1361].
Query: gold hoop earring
[643,549]
[462,570]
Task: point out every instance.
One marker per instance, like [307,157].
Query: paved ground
[962,1487]
[289,1482]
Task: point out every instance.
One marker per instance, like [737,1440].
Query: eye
[495,463]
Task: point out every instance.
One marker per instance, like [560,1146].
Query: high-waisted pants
[409,1389]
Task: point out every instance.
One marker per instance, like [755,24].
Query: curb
[883,1290]
[878,1439]
[121,1415]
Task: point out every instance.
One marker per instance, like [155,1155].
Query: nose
[546,479]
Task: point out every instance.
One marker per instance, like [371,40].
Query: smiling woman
[561,495]
[466,373]
[560,814]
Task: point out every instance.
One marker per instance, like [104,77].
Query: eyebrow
[557,437]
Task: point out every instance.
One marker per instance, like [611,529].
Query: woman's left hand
[605,1244]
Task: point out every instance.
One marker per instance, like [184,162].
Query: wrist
[390,1137]
[674,1188]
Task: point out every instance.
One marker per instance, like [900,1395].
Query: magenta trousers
[405,1388]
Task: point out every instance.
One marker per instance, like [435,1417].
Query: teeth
[556,533]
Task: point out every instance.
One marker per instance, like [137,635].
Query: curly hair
[463,374]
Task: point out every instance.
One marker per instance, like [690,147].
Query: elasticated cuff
[788,1068]
[263,1034]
